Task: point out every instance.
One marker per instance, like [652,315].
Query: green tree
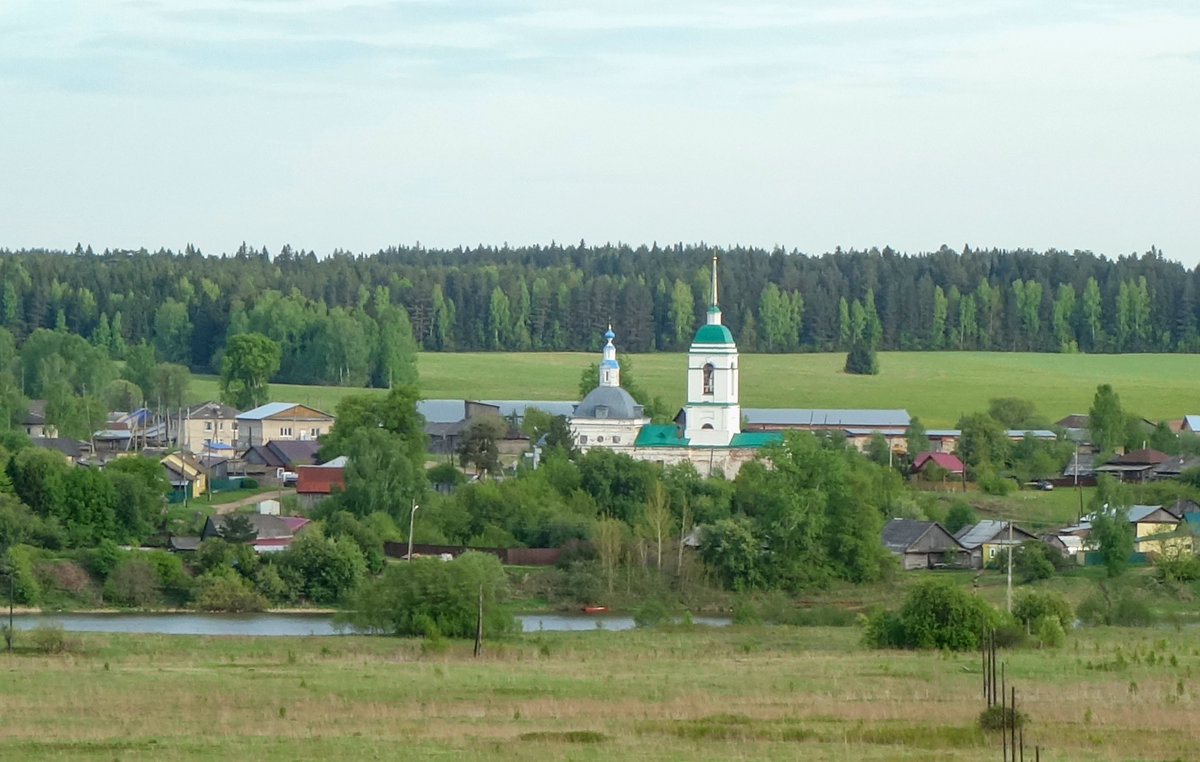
[861,359]
[982,441]
[1064,311]
[1112,534]
[1091,311]
[173,331]
[237,528]
[916,437]
[1014,412]
[426,597]
[250,360]
[1106,419]
[170,383]
[961,514]
[937,328]
[681,313]
[480,444]
[324,571]
[139,367]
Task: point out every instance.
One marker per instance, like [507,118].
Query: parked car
[1045,485]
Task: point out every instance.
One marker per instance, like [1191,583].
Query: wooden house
[922,544]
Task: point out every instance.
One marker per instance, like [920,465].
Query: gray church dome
[608,402]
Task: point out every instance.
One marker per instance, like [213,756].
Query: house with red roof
[944,460]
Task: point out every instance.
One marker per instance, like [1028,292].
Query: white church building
[708,432]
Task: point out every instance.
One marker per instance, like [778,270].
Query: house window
[220,425]
[235,425]
[314,433]
[285,431]
[708,378]
[208,425]
[991,552]
[616,440]
[583,439]
[600,438]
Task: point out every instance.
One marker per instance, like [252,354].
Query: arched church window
[707,426]
[708,378]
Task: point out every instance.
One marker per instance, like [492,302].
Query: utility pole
[411,517]
[1010,555]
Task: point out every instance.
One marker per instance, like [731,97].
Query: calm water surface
[293,624]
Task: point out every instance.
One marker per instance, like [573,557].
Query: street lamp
[412,515]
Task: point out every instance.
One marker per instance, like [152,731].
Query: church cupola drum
[712,414]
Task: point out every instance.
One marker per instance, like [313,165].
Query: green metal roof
[659,435]
[756,439]
[714,333]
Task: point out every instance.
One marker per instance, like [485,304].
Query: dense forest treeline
[353,320]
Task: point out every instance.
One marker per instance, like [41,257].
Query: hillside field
[938,387]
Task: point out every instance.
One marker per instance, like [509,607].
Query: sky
[363,124]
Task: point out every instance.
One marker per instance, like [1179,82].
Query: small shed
[922,544]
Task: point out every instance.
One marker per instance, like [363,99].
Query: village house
[925,464]
[209,428]
[1136,466]
[274,533]
[923,544]
[281,421]
[985,540]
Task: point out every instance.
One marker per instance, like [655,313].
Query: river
[279,625]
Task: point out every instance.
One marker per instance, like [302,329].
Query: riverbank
[669,693]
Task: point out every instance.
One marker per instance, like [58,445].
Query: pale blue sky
[358,125]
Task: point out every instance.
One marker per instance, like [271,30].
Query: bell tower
[712,414]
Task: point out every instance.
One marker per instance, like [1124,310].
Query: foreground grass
[936,386]
[672,694]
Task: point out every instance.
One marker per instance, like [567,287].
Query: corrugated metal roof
[974,536]
[267,410]
[886,431]
[1039,433]
[840,417]
[442,411]
[518,407]
[1192,422]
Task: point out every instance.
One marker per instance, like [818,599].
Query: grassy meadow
[675,693]
[936,386]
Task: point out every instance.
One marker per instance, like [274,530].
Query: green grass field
[677,693]
[936,386]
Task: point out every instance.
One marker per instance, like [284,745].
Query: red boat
[594,609]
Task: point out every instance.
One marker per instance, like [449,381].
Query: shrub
[1032,605]
[884,629]
[249,484]
[50,639]
[134,582]
[652,612]
[994,484]
[227,592]
[744,612]
[1049,631]
[1177,567]
[936,614]
[998,717]
[1125,610]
